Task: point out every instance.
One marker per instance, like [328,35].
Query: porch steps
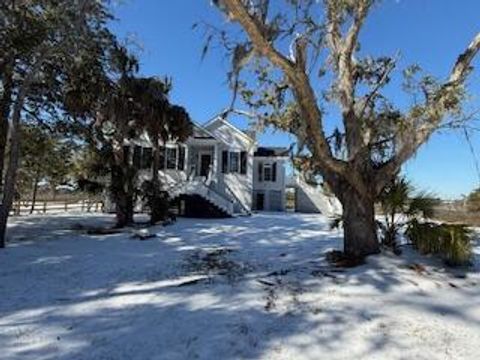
[325,203]
[200,188]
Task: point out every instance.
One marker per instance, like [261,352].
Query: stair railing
[242,205]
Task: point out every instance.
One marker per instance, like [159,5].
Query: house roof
[272,152]
[224,121]
[201,133]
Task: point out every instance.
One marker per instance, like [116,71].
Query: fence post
[83,205]
[45,207]
[66,206]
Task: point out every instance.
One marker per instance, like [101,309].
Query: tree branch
[342,48]
[297,78]
[414,136]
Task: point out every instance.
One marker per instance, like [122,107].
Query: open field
[458,216]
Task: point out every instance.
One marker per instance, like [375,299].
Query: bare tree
[285,46]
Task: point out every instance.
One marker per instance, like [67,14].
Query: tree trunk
[11,173]
[5,106]
[122,187]
[123,203]
[360,230]
[156,160]
[34,194]
[130,194]
[157,209]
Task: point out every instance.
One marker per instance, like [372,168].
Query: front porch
[203,155]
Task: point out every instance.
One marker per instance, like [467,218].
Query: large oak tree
[285,46]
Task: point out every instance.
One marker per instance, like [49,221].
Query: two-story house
[269,178]
[219,171]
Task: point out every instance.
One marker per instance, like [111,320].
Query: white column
[215,161]
[187,160]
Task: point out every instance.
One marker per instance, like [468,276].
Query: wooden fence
[24,207]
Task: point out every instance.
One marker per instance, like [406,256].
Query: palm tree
[399,201]
[117,123]
[162,122]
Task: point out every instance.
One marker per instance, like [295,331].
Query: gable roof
[200,133]
[223,121]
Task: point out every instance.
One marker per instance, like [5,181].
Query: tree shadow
[74,296]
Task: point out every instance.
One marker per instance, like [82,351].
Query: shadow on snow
[72,296]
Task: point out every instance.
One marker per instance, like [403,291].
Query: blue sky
[429,32]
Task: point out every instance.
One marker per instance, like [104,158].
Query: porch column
[215,161]
[187,160]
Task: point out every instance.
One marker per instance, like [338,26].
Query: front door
[260,201]
[205,161]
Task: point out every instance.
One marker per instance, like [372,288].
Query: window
[147,157]
[161,159]
[142,157]
[267,172]
[234,162]
[171,158]
[181,158]
[137,156]
[167,158]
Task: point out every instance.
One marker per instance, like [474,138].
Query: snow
[243,288]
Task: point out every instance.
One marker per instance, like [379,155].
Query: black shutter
[274,172]
[243,162]
[224,162]
[137,156]
[126,154]
[181,158]
[161,159]
[260,172]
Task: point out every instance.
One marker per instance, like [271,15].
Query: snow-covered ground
[245,288]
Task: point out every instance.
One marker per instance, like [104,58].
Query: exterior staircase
[327,204]
[200,187]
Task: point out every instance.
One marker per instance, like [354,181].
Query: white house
[219,171]
[269,179]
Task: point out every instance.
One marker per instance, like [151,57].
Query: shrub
[452,242]
[473,200]
[457,245]
[401,198]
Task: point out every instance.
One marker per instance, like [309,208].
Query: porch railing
[242,205]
